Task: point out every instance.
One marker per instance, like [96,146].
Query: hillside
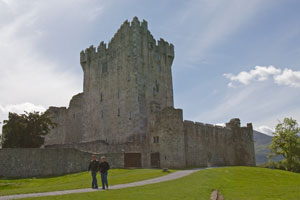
[261,144]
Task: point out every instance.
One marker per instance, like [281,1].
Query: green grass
[74,181]
[235,183]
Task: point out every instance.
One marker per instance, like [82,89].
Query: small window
[102,115]
[158,56]
[128,77]
[156,86]
[119,112]
[118,94]
[74,116]
[129,115]
[159,67]
[104,67]
[156,139]
[101,97]
[150,45]
[153,91]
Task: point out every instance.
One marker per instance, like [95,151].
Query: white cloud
[20,108]
[220,124]
[259,74]
[286,77]
[265,129]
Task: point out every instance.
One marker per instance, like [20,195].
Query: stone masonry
[127,107]
[36,162]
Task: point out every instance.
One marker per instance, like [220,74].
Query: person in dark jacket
[104,167]
[94,168]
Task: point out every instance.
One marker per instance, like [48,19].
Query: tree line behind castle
[28,131]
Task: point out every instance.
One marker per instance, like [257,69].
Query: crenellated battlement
[164,47]
[128,36]
[204,125]
[232,124]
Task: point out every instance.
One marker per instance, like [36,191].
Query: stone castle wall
[219,146]
[193,144]
[22,163]
[215,144]
[102,147]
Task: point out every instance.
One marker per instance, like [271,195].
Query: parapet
[235,123]
[164,47]
[188,122]
[56,111]
[203,125]
[53,108]
[170,112]
[199,124]
[133,28]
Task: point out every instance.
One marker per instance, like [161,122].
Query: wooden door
[155,160]
[132,160]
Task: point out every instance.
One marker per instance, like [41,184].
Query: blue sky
[233,58]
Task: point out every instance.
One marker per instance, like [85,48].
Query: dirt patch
[216,195]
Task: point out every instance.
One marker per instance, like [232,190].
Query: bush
[280,165]
[286,142]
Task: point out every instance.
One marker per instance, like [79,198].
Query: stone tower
[124,82]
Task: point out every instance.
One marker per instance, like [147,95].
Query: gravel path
[172,176]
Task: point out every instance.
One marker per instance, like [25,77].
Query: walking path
[172,176]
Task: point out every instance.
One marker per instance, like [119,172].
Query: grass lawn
[235,183]
[74,181]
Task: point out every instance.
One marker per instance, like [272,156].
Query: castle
[127,107]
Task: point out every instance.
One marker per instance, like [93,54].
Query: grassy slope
[236,183]
[73,181]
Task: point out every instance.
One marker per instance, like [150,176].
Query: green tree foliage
[286,142]
[26,130]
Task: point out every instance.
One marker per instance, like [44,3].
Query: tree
[26,130]
[286,142]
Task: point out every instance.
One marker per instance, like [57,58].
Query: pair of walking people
[95,166]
